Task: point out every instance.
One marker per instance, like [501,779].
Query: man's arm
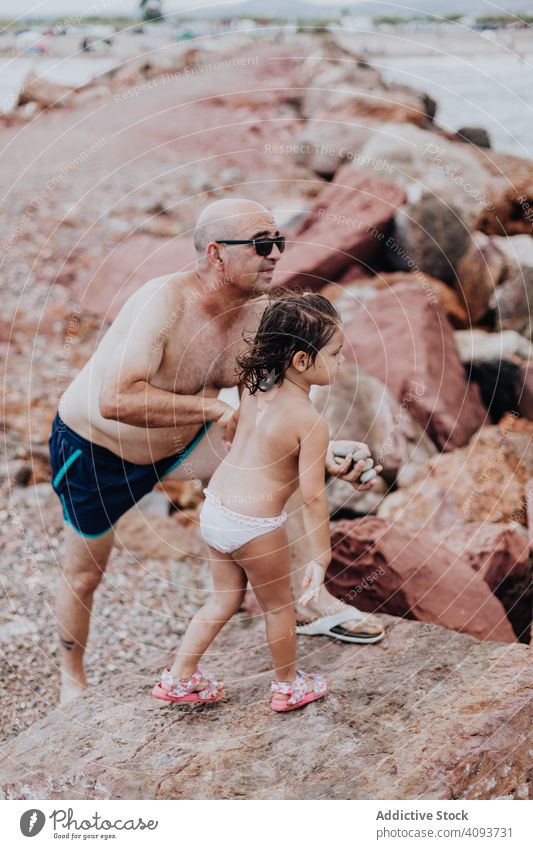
[128,396]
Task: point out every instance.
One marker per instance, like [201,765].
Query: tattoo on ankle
[67,644]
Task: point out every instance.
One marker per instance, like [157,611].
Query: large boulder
[46,94]
[348,223]
[477,347]
[428,236]
[517,250]
[354,91]
[404,339]
[423,162]
[500,554]
[479,271]
[525,400]
[497,362]
[383,710]
[529,512]
[321,148]
[382,567]
[484,481]
[359,406]
[509,211]
[512,302]
[348,295]
[445,296]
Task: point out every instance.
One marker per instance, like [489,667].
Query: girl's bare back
[260,472]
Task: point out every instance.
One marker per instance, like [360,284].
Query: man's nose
[275,253]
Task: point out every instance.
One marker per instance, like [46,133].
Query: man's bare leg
[201,463]
[84,564]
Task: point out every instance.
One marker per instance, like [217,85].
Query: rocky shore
[424,241]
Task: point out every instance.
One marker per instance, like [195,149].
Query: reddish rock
[510,201]
[464,704]
[347,224]
[132,263]
[500,554]
[485,481]
[421,503]
[382,567]
[447,298]
[353,273]
[403,338]
[509,215]
[6,331]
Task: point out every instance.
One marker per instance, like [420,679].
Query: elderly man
[145,401]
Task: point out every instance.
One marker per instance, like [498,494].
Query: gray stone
[474,135]
[428,235]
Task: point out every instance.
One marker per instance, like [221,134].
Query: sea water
[490,91]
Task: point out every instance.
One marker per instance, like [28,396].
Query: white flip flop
[329,626]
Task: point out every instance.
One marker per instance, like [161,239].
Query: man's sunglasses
[262,246]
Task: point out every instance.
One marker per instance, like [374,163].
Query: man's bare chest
[202,359]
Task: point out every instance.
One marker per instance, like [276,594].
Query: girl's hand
[313,581]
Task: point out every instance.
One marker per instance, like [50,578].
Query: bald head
[225,219]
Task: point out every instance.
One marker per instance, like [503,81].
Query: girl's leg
[229,586]
[266,562]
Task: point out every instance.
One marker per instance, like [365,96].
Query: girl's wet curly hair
[291,322]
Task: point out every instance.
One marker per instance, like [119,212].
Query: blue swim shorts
[95,486]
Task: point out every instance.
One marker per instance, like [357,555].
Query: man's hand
[313,582]
[339,469]
[231,427]
[227,420]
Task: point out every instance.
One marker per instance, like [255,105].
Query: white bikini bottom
[225,530]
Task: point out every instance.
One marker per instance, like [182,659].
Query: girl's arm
[312,472]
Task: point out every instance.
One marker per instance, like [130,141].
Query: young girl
[280,444]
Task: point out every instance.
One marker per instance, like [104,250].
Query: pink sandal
[174,689]
[297,691]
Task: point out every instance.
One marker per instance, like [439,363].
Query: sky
[117,7]
[71,8]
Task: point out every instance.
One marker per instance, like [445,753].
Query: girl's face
[328,361]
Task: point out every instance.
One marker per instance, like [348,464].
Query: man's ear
[213,254]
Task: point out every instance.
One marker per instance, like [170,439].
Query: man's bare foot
[71,688]
[327,605]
